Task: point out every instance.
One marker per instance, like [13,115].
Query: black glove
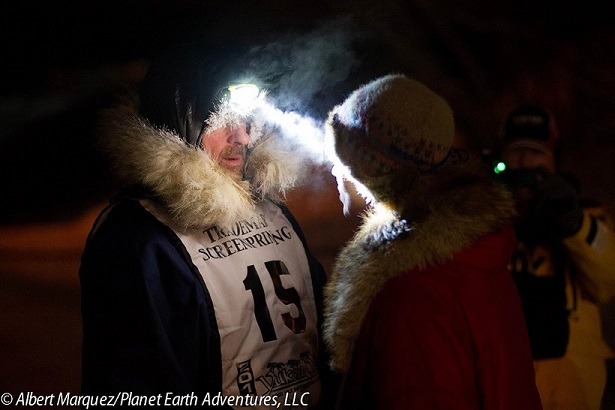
[557,205]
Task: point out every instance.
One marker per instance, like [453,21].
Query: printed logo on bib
[280,378]
[239,241]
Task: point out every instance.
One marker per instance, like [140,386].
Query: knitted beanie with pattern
[393,125]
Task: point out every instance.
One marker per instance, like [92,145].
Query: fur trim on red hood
[443,214]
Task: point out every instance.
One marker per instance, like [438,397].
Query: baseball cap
[529,126]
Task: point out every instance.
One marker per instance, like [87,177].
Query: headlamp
[243,94]
[240,98]
[234,103]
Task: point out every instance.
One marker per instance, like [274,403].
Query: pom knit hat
[391,125]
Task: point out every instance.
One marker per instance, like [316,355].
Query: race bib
[258,277]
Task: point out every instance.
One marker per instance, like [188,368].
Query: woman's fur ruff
[192,187]
[456,206]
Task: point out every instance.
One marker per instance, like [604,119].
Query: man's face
[522,157]
[524,163]
[227,147]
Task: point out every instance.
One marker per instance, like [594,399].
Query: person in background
[196,279]
[421,311]
[564,263]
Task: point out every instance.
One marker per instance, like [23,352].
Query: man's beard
[231,152]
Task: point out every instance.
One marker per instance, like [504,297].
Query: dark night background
[61,61]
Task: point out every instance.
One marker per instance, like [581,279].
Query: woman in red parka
[422,312]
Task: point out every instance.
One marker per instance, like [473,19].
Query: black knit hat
[184,85]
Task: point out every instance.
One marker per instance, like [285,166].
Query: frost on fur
[195,190]
[272,168]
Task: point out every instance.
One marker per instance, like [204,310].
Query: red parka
[426,315]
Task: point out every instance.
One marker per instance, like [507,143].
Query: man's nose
[239,136]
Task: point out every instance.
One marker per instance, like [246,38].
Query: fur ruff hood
[460,204]
[189,184]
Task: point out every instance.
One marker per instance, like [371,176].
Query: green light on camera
[500,167]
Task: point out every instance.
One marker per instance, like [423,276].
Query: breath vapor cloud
[305,75]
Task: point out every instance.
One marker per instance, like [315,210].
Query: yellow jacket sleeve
[592,249]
